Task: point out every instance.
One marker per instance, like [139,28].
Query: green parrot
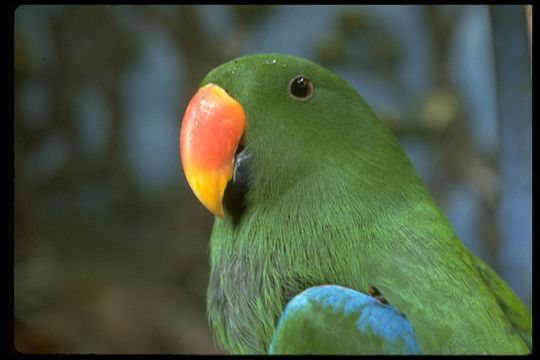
[325,239]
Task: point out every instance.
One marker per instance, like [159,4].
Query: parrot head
[261,124]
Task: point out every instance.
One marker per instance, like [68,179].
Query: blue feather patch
[321,312]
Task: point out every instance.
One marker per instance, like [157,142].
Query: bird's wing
[331,319]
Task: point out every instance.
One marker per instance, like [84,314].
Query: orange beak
[212,127]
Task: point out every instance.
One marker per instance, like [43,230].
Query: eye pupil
[301,87]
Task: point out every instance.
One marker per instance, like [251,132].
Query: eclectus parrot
[325,239]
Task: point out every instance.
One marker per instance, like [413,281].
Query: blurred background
[110,245]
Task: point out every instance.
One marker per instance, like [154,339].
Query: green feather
[333,199]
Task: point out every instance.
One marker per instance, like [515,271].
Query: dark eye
[301,88]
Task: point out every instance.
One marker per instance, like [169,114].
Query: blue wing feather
[332,319]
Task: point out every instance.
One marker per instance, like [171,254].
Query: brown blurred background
[110,245]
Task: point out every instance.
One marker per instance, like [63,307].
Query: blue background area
[106,227]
